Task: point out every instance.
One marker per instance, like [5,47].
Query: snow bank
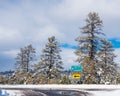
[55,86]
[11,93]
[105,93]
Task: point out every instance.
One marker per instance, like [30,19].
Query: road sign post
[76,71]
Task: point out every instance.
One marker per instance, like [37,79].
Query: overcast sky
[24,22]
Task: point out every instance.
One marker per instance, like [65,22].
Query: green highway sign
[77,68]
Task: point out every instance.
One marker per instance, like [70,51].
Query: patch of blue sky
[10,1]
[115,42]
[65,45]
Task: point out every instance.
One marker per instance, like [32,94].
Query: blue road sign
[77,68]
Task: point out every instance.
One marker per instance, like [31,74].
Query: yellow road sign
[76,76]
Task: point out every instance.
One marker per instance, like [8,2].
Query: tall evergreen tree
[30,55]
[24,58]
[20,60]
[88,47]
[22,66]
[118,78]
[1,79]
[50,65]
[107,66]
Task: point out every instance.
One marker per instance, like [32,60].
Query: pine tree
[24,58]
[107,66]
[20,62]
[118,78]
[50,65]
[88,47]
[65,80]
[1,79]
[23,66]
[30,55]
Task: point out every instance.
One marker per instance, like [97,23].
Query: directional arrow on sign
[76,75]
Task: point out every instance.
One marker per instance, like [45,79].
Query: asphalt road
[55,93]
[59,92]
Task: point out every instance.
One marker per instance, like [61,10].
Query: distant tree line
[95,54]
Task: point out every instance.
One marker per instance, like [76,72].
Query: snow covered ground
[57,86]
[10,93]
[105,93]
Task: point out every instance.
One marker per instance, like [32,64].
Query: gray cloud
[24,22]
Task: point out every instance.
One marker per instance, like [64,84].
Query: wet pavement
[44,93]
